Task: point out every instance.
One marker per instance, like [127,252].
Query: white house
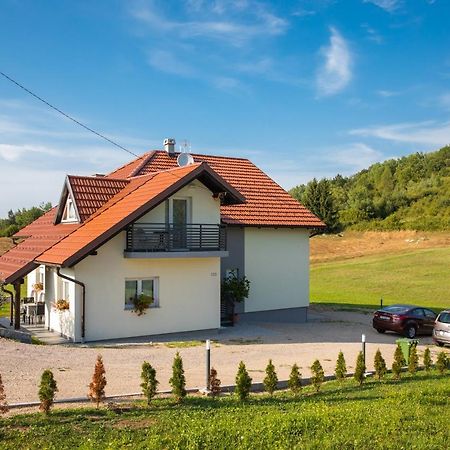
[169,233]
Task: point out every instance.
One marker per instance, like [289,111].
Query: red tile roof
[267,204]
[19,261]
[90,193]
[140,195]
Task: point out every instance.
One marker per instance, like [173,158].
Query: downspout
[83,298]
[11,294]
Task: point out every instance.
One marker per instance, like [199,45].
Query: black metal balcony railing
[157,237]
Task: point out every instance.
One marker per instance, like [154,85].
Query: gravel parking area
[322,337]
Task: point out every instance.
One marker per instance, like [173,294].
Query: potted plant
[38,287]
[141,303]
[236,290]
[62,304]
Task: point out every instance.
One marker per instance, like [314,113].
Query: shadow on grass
[366,308]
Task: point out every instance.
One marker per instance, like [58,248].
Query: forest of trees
[412,192]
[22,217]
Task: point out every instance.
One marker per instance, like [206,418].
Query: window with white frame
[141,286]
[69,214]
[65,290]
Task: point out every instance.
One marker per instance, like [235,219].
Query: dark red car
[404,319]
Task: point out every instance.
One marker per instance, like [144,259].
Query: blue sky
[304,88]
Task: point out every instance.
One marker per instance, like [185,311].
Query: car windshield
[444,318]
[396,309]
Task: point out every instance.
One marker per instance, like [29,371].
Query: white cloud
[167,62]
[387,5]
[336,71]
[386,93]
[355,156]
[430,134]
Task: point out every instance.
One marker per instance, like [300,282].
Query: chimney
[169,146]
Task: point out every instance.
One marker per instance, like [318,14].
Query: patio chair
[40,312]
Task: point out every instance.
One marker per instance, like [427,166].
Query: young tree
[98,383]
[427,361]
[149,382]
[441,362]
[47,391]
[243,382]
[4,408]
[318,375]
[380,365]
[398,363]
[214,383]
[413,363]
[295,380]
[360,369]
[271,379]
[178,380]
[341,368]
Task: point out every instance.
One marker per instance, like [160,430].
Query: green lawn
[421,277]
[412,413]
[5,308]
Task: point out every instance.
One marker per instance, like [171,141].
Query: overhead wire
[66,115]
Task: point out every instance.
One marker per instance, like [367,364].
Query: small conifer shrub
[441,362]
[149,383]
[4,408]
[427,361]
[243,382]
[214,383]
[380,365]
[398,363]
[271,379]
[340,371]
[360,369]
[413,363]
[97,385]
[318,375]
[47,391]
[295,380]
[178,380]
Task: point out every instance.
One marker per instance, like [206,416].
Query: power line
[66,115]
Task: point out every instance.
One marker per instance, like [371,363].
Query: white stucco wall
[189,293]
[277,265]
[204,208]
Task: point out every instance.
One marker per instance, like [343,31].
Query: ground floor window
[144,286]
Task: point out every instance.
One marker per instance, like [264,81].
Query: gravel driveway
[322,337]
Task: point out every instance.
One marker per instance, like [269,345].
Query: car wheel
[441,344]
[410,331]
[381,331]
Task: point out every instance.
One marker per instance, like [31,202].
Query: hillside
[409,193]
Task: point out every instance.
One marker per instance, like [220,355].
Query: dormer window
[69,214]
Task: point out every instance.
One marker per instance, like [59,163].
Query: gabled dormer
[67,208]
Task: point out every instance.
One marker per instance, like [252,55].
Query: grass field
[5,308]
[419,277]
[412,413]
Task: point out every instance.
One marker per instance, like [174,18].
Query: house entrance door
[179,222]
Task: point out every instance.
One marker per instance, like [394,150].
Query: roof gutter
[83,298]
[11,294]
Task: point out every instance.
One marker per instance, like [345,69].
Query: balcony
[159,240]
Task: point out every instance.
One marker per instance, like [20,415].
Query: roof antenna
[185,158]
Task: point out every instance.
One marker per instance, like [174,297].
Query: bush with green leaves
[360,369]
[380,365]
[178,380]
[427,361]
[149,383]
[413,363]
[295,380]
[47,391]
[442,362]
[317,375]
[243,382]
[340,371]
[98,383]
[399,362]
[270,380]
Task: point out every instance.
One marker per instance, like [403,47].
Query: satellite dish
[185,159]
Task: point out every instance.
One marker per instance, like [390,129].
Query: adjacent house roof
[267,203]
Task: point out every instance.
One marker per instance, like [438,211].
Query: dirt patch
[354,244]
[5,245]
[133,424]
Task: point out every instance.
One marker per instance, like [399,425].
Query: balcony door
[179,218]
